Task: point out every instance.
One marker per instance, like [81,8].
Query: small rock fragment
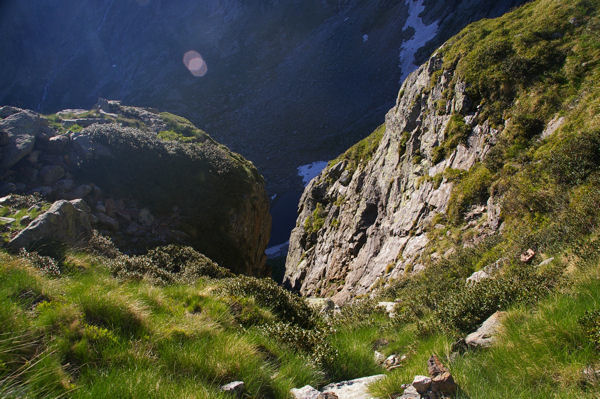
[527,255]
[441,379]
[236,387]
[421,383]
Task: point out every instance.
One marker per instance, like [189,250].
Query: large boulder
[185,189]
[220,197]
[20,131]
[66,222]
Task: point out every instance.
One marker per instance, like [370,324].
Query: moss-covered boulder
[152,188]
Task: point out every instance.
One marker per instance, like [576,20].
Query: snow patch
[277,250]
[423,33]
[311,170]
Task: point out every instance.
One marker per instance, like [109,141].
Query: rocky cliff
[149,178]
[372,214]
[363,219]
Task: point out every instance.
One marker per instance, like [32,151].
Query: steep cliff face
[363,219]
[465,147]
[150,178]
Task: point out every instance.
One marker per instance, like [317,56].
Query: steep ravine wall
[361,223]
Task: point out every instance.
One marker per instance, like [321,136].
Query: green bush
[168,264]
[103,246]
[572,158]
[590,322]
[310,341]
[466,308]
[44,263]
[457,132]
[289,307]
[316,220]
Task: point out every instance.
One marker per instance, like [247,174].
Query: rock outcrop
[66,222]
[150,179]
[485,335]
[374,209]
[438,385]
[353,389]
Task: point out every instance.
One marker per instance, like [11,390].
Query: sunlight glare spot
[194,62]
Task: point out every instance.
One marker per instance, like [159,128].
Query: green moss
[471,190]
[170,135]
[402,143]
[181,129]
[457,132]
[316,220]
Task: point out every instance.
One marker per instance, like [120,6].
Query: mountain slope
[493,137]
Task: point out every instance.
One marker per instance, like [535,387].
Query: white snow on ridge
[423,33]
[311,170]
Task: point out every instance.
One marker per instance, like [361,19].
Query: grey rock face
[375,224]
[485,335]
[20,132]
[50,174]
[65,222]
[353,389]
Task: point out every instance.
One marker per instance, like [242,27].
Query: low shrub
[167,265]
[103,246]
[288,307]
[310,341]
[45,263]
[467,307]
[590,322]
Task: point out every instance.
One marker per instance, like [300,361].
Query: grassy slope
[98,336]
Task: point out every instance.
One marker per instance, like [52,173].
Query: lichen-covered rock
[306,392]
[365,217]
[65,222]
[353,389]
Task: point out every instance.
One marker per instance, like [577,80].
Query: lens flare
[194,62]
